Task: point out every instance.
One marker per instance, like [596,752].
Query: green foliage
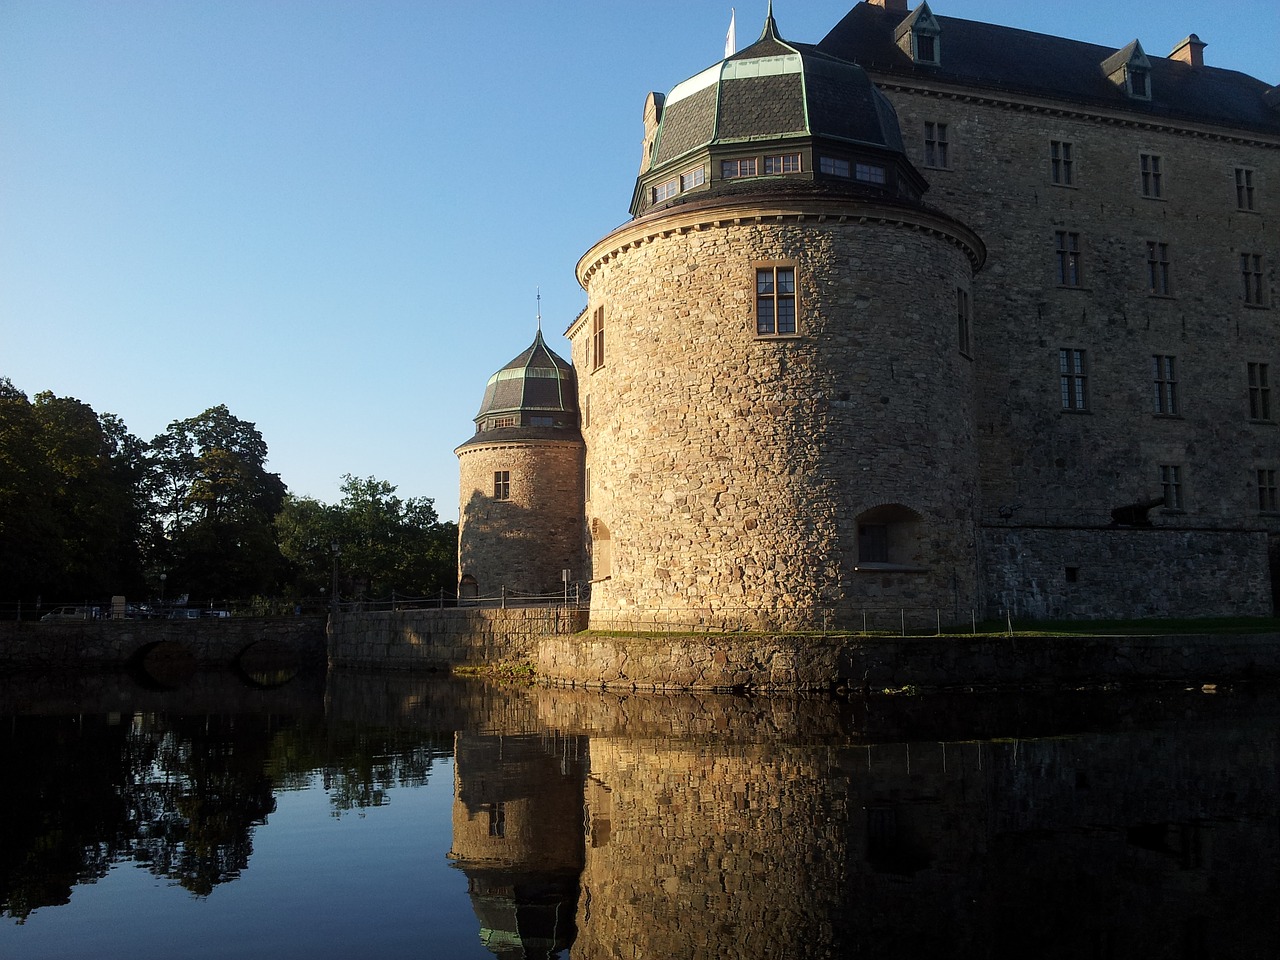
[384,543]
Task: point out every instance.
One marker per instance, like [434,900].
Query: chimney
[1190,50]
[893,6]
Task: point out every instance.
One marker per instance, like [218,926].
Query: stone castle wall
[524,542]
[1043,465]
[729,471]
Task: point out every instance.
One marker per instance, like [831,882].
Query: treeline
[88,510]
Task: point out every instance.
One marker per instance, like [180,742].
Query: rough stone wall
[100,643]
[1039,463]
[439,639]
[522,543]
[1053,574]
[789,664]
[728,469]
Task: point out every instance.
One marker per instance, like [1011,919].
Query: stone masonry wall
[1041,464]
[730,470]
[1050,574]
[443,638]
[522,543]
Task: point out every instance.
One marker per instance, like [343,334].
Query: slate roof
[773,89]
[537,382]
[996,58]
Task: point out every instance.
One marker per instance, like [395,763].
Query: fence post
[903,612]
[504,596]
[938,615]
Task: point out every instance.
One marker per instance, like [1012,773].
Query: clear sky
[333,215]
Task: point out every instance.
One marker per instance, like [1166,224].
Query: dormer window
[1129,69]
[1139,83]
[919,35]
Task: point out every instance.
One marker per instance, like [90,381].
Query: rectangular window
[731,169]
[1267,501]
[783,163]
[926,48]
[502,485]
[1259,392]
[868,173]
[1068,251]
[500,422]
[1164,382]
[1244,188]
[936,149]
[665,191]
[1152,177]
[1251,276]
[963,320]
[1073,375]
[597,339]
[1171,486]
[775,300]
[873,542]
[1158,268]
[693,178]
[837,168]
[1061,164]
[1139,83]
[539,421]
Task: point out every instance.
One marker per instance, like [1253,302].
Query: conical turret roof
[534,395]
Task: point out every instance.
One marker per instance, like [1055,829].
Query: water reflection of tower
[517,835]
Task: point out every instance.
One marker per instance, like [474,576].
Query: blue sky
[333,216]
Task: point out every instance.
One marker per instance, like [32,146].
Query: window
[1244,188]
[890,534]
[1251,275]
[935,145]
[963,321]
[665,191]
[926,48]
[873,543]
[1152,176]
[1139,81]
[500,422]
[868,173]
[1073,375]
[783,163]
[502,485]
[1158,268]
[1171,486]
[1164,374]
[540,421]
[775,300]
[497,819]
[597,339]
[1259,392]
[1267,501]
[731,169]
[837,168]
[1061,163]
[1068,250]
[693,178]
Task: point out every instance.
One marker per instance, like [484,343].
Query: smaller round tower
[521,481]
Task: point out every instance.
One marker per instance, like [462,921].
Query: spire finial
[539,291]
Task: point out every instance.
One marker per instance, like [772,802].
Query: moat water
[387,816]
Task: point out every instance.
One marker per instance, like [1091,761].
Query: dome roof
[772,95]
[535,393]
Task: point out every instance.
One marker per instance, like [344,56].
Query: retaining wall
[443,638]
[84,644]
[808,663]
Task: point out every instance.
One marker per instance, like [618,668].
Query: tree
[386,544]
[217,503]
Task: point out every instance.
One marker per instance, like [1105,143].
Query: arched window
[890,535]
[601,551]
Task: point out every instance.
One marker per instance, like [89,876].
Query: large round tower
[520,511]
[776,376]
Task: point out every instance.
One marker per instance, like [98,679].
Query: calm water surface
[357,815]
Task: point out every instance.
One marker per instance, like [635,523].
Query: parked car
[184,613]
[216,613]
[69,613]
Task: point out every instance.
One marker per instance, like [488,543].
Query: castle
[934,315]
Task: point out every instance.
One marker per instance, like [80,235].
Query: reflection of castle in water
[517,835]
[689,837]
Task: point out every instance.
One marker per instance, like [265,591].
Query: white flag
[731,38]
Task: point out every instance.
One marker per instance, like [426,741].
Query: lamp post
[333,596]
[163,578]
